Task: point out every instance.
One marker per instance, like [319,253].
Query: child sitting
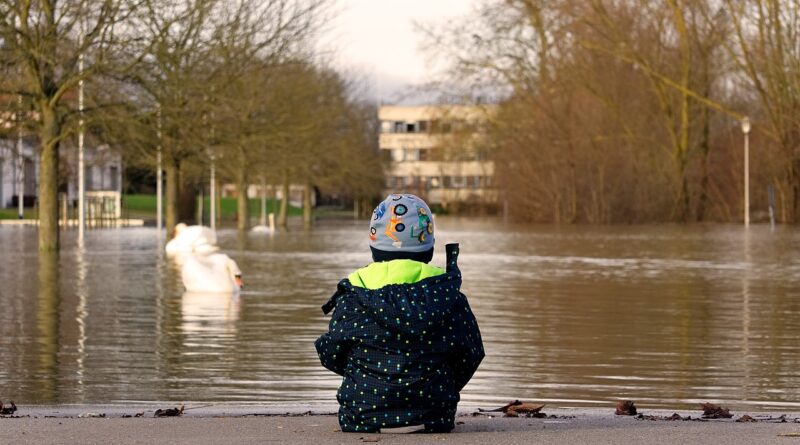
[402,335]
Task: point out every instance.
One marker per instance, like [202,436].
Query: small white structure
[19,171]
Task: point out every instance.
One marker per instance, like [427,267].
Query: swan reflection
[209,314]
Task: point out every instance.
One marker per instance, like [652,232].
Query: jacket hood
[400,271]
[403,306]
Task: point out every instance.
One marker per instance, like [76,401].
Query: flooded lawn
[668,316]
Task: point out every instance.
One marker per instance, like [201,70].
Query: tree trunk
[48,180]
[173,170]
[284,208]
[187,202]
[242,208]
[705,148]
[48,320]
[307,191]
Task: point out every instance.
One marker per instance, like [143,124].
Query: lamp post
[159,179]
[746,131]
[213,196]
[81,154]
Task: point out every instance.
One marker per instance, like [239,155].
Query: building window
[411,127]
[30,177]
[434,182]
[399,127]
[422,126]
[114,173]
[390,181]
[398,155]
[458,182]
[424,155]
[387,126]
[474,182]
[411,154]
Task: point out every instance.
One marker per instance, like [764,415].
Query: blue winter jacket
[404,351]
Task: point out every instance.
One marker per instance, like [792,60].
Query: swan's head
[180,227]
[235,273]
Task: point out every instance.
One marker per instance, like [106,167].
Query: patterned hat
[401,223]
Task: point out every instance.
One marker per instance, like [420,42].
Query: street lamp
[746,131]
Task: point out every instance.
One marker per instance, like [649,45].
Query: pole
[747,179]
[746,130]
[213,193]
[20,164]
[20,161]
[263,202]
[771,198]
[81,166]
[159,180]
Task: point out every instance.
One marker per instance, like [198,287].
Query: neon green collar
[378,275]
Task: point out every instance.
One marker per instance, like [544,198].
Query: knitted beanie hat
[401,227]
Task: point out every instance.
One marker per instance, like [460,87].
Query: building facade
[19,173]
[438,153]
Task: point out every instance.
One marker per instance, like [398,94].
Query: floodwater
[668,316]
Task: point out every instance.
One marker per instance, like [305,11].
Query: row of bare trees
[236,83]
[629,110]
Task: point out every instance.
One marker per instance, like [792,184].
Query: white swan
[214,273]
[192,239]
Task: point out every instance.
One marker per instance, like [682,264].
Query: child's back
[402,335]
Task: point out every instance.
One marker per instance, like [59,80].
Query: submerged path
[246,425]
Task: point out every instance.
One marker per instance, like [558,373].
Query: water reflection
[208,316]
[667,316]
[82,313]
[48,325]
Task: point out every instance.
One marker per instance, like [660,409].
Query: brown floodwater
[668,316]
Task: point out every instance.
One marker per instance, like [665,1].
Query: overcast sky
[377,38]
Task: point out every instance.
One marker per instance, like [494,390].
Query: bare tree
[767,52]
[42,42]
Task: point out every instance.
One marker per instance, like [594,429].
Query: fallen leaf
[91,415]
[169,412]
[746,418]
[525,408]
[625,408]
[789,435]
[711,411]
[7,410]
[503,408]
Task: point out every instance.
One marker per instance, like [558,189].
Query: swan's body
[214,273]
[192,239]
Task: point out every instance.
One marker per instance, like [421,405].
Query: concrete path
[254,426]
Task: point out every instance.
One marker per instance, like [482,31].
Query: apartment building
[437,152]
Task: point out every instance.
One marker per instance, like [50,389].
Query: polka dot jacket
[404,351]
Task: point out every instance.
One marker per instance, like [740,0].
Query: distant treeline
[630,110]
